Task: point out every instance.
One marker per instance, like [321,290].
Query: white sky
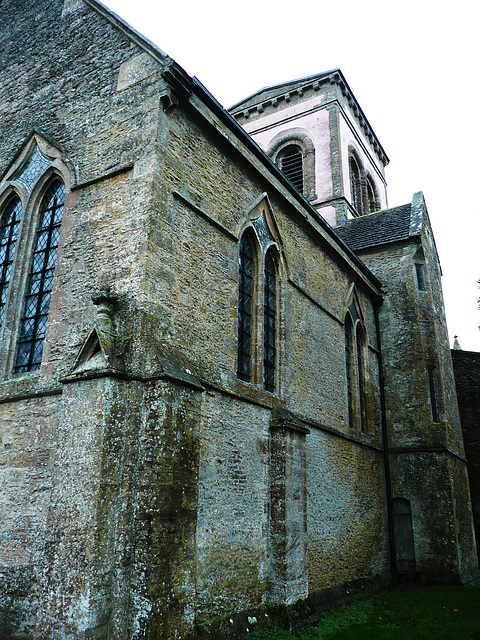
[413,67]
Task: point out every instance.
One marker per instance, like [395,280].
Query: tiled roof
[277,90]
[381,227]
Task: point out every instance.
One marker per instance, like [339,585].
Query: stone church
[227,397]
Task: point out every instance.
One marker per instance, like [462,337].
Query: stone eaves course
[273,96]
[273,91]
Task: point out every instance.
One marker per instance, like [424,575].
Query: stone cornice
[312,85]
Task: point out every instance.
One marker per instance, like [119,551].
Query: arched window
[259,283]
[9,224]
[269,323]
[349,367]
[356,368]
[290,161]
[293,152]
[40,279]
[372,200]
[245,304]
[355,185]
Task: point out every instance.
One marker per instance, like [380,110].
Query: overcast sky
[413,67]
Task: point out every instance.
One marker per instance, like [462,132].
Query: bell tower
[315,131]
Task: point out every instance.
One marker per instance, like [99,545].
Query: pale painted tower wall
[325,113]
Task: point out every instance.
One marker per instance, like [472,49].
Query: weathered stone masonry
[145,490]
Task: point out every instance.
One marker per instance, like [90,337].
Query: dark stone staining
[169,510]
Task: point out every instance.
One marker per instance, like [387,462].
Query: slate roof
[278,89]
[381,227]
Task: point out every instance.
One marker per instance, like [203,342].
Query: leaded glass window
[245,304]
[348,363]
[269,328]
[40,279]
[9,225]
[361,378]
[420,277]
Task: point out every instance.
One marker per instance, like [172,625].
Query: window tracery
[263,232]
[29,236]
[36,166]
[258,301]
[40,279]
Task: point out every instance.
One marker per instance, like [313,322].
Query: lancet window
[372,201]
[433,392]
[9,226]
[40,279]
[270,320]
[258,308]
[361,376]
[30,220]
[349,368]
[420,277]
[363,192]
[245,307]
[356,370]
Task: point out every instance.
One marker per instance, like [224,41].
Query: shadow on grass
[403,613]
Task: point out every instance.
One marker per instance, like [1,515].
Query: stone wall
[147,498]
[427,458]
[466,366]
[235,554]
[145,488]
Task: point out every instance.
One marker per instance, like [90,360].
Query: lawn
[403,613]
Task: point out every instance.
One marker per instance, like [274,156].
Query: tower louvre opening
[291,163]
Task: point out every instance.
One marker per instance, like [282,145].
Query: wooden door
[403,536]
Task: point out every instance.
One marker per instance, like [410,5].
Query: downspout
[377,303]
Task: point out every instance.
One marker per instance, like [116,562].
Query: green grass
[403,613]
